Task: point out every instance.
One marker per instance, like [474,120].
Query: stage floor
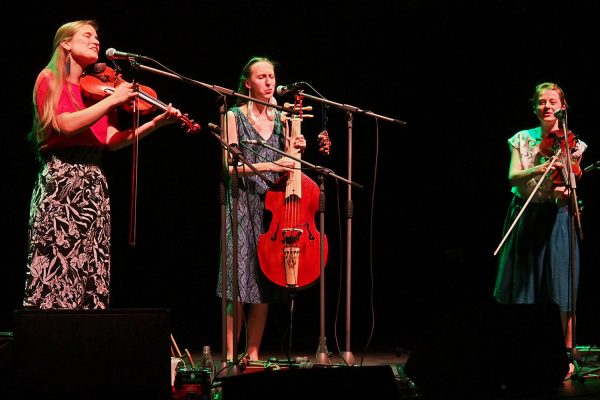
[584,384]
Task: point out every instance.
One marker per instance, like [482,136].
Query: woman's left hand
[300,143]
[171,115]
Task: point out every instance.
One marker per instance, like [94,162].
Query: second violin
[555,144]
[102,80]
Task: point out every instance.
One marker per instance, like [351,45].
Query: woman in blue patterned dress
[250,120]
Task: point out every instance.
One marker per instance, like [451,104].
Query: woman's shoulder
[238,109]
[531,133]
[44,77]
[525,137]
[46,72]
[43,83]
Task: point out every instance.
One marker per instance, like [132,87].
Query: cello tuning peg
[295,107]
[301,116]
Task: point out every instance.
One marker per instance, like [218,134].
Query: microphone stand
[592,167]
[322,356]
[350,110]
[219,89]
[574,227]
[236,156]
[223,208]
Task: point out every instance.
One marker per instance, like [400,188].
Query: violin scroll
[192,127]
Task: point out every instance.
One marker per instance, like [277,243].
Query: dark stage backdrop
[429,217]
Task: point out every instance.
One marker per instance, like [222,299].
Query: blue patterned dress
[253,287]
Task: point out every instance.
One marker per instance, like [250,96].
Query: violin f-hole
[310,234]
[274,237]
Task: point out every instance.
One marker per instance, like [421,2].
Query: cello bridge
[291,235]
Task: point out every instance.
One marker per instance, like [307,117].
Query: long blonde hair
[58,72]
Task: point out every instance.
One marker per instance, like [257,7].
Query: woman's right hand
[284,164]
[542,168]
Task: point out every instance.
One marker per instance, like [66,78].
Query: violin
[555,144]
[102,80]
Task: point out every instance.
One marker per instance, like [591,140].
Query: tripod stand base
[348,358]
[322,356]
[586,361]
[580,374]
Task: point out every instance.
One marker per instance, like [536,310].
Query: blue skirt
[534,264]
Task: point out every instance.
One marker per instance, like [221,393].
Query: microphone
[251,142]
[591,167]
[560,114]
[294,87]
[113,54]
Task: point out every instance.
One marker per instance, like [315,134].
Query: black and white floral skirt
[68,263]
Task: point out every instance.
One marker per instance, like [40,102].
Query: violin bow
[554,158]
[134,173]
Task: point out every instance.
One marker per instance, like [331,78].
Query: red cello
[289,252]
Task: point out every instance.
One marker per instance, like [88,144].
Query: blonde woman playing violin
[68,261]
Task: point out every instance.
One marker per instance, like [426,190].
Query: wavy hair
[57,72]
